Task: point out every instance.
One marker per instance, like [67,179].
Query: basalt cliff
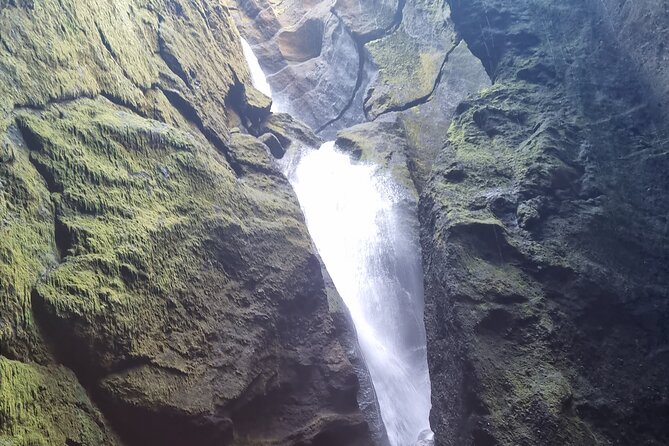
[157,281]
[158,284]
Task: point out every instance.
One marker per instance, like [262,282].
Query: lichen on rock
[150,254]
[537,278]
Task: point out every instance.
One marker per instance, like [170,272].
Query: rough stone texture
[461,76]
[384,144]
[544,233]
[308,54]
[642,30]
[368,19]
[157,281]
[409,60]
[42,406]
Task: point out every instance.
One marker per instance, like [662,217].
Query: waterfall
[367,236]
[257,76]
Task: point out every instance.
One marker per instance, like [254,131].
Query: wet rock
[384,144]
[410,59]
[530,312]
[642,29]
[426,123]
[309,56]
[152,255]
[289,131]
[370,19]
[256,106]
[274,145]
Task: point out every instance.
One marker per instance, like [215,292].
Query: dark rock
[642,30]
[274,145]
[158,283]
[542,320]
[257,106]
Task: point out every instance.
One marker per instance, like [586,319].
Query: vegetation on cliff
[157,281]
[544,234]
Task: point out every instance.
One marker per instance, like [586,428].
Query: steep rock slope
[385,57]
[545,234]
[157,282]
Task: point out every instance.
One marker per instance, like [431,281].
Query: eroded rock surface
[544,237]
[543,206]
[157,281]
[380,57]
[308,54]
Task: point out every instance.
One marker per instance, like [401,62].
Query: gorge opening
[364,226]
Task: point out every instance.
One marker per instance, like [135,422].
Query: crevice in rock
[360,42]
[112,53]
[105,43]
[358,83]
[170,61]
[34,144]
[422,100]
[62,236]
[189,113]
[122,103]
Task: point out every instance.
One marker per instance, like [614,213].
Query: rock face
[307,53]
[375,57]
[544,232]
[157,281]
[642,30]
[543,205]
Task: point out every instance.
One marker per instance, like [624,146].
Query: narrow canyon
[334,223]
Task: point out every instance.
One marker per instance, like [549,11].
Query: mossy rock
[41,406]
[537,278]
[410,59]
[162,259]
[177,273]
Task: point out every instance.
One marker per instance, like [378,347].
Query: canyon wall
[157,281]
[545,231]
[535,134]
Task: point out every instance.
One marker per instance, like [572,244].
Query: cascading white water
[257,75]
[367,237]
[356,217]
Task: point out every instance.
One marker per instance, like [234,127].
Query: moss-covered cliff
[545,236]
[544,203]
[157,282]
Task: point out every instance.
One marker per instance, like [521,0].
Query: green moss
[42,406]
[134,196]
[407,70]
[162,244]
[27,249]
[382,144]
[409,59]
[131,238]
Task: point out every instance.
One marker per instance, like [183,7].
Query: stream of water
[367,237]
